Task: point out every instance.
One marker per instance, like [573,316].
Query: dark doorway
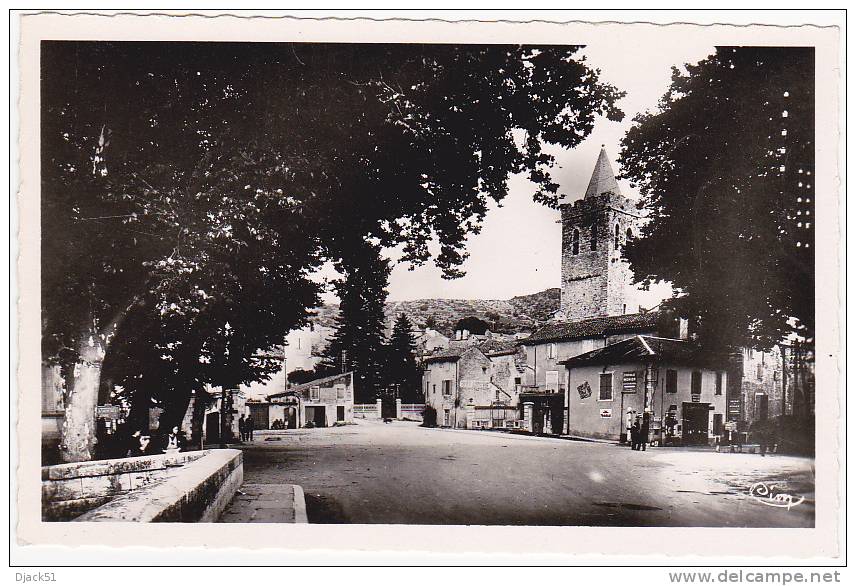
[761,407]
[292,418]
[212,428]
[548,411]
[317,416]
[717,424]
[695,425]
[340,413]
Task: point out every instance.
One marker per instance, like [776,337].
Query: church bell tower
[595,279]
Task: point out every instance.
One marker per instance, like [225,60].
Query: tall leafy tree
[725,167]
[359,342]
[402,372]
[196,182]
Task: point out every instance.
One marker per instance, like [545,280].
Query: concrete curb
[299,505]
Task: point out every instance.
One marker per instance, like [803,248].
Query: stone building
[549,345]
[758,388]
[53,409]
[683,392]
[600,307]
[319,403]
[595,278]
[429,341]
[474,386]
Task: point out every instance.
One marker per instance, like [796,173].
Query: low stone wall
[411,411]
[187,486]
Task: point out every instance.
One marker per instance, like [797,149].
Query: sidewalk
[266,503]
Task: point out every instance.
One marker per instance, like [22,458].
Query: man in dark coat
[635,432]
[645,430]
[248,426]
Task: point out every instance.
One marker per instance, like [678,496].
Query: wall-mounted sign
[606,413]
[584,390]
[628,382]
[696,398]
[107,411]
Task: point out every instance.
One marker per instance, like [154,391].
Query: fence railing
[412,411]
[366,411]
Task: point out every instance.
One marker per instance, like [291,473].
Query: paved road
[402,473]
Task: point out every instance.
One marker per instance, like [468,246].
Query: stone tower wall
[620,281]
[595,283]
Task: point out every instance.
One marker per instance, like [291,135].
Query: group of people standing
[246,427]
[638,429]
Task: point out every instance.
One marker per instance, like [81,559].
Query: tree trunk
[197,420]
[174,410]
[78,425]
[77,442]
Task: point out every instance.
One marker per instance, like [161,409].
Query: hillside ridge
[520,313]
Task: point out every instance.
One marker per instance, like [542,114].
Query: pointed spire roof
[602,179]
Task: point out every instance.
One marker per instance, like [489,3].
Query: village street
[401,473]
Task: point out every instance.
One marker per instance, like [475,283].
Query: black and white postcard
[430,286]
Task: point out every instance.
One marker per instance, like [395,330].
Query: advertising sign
[628,382]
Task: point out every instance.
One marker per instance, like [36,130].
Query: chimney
[683,328]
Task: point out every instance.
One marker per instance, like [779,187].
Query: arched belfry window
[629,235]
[617,236]
[575,242]
[594,236]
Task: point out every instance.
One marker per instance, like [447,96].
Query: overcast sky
[518,250]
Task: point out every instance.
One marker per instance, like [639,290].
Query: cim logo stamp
[768,495]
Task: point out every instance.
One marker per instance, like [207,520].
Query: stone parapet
[178,487]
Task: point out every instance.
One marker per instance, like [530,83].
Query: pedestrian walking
[645,430]
[635,433]
[248,423]
[628,425]
[242,428]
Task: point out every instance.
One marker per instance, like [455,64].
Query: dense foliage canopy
[725,168]
[199,185]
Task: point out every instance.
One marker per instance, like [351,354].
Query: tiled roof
[498,347]
[640,349]
[596,326]
[447,354]
[313,383]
